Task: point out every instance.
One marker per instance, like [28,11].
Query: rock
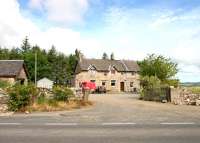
[198,102]
[27,112]
[164,101]
[3,108]
[3,99]
[6,114]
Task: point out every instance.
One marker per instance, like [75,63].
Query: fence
[158,94]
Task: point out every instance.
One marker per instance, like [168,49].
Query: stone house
[114,75]
[13,71]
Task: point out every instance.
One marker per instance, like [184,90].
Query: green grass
[194,89]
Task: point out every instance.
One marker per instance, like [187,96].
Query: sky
[131,29]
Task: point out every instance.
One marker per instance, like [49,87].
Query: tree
[4,54]
[112,57]
[15,53]
[105,56]
[159,66]
[51,64]
[25,45]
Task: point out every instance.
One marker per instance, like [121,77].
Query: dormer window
[112,70]
[91,69]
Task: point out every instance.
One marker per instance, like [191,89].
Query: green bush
[20,96]
[62,93]
[53,102]
[152,89]
[150,82]
[41,99]
[172,82]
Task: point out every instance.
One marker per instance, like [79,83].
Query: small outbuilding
[13,71]
[45,83]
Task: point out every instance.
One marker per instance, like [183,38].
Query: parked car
[100,89]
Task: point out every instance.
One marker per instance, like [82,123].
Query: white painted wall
[45,83]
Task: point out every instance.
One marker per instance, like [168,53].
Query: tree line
[50,63]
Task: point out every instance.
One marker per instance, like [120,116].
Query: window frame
[131,84]
[113,83]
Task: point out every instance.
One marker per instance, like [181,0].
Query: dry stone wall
[3,101]
[184,97]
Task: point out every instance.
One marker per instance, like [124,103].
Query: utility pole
[35,69]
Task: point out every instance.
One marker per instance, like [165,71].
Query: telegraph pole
[35,69]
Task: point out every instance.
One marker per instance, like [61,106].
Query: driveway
[117,108]
[127,108]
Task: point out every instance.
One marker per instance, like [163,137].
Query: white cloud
[14,27]
[133,38]
[125,34]
[62,11]
[167,17]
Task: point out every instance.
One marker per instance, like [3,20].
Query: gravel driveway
[127,108]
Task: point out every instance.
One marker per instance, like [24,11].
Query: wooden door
[121,86]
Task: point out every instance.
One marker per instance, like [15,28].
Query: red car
[89,85]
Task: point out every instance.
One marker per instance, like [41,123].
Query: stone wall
[184,97]
[3,101]
[10,80]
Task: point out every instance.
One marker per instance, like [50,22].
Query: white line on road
[178,123]
[10,123]
[110,124]
[61,124]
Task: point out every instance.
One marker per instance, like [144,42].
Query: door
[121,86]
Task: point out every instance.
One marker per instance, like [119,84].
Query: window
[113,82]
[105,73]
[131,84]
[92,81]
[103,83]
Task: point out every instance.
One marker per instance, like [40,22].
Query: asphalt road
[113,119]
[102,133]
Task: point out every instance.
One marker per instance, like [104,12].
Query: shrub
[41,99]
[53,102]
[150,82]
[172,82]
[62,94]
[152,89]
[20,96]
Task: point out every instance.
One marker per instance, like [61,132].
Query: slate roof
[103,65]
[10,68]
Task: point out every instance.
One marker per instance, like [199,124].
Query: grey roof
[10,68]
[103,65]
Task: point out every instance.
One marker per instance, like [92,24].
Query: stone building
[13,71]
[114,75]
